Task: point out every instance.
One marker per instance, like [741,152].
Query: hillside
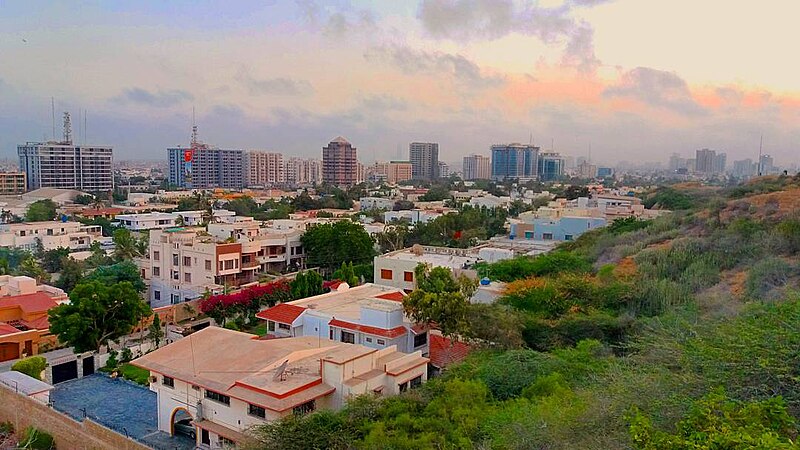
[638,335]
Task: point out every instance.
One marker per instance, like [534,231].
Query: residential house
[24,325]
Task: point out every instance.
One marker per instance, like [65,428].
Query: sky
[613,80]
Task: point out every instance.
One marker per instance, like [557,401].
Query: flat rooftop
[347,304]
[434,258]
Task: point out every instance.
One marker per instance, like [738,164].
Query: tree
[155,333]
[347,274]
[97,314]
[306,284]
[52,259]
[41,211]
[393,237]
[495,325]
[126,246]
[71,273]
[98,257]
[572,192]
[119,272]
[441,299]
[328,245]
[435,193]
[31,268]
[84,199]
[403,205]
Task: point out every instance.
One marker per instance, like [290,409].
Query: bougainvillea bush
[246,302]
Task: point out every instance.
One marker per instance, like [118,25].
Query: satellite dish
[280,371]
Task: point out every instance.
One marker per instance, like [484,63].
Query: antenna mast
[760,148]
[53,112]
[67,129]
[194,130]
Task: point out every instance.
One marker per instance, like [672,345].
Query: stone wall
[68,433]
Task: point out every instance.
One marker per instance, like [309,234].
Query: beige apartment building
[264,168]
[12,183]
[185,263]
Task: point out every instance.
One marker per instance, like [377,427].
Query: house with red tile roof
[24,326]
[227,382]
[369,315]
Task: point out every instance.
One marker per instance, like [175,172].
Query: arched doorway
[181,422]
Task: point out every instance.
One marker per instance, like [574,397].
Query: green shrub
[31,366]
[126,355]
[552,263]
[627,225]
[766,275]
[112,361]
[6,429]
[36,439]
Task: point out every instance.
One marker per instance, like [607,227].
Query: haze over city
[634,79]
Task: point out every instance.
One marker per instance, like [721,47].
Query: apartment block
[392,172]
[66,166]
[514,161]
[226,382]
[184,263]
[424,157]
[340,163]
[204,167]
[264,169]
[52,234]
[477,167]
[161,220]
[302,171]
[12,183]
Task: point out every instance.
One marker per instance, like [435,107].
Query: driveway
[118,404]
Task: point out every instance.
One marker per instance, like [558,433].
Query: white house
[396,269]
[225,381]
[52,234]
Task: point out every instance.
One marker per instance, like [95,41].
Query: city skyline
[466,74]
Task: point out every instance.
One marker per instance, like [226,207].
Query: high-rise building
[206,168]
[550,166]
[424,158]
[302,171]
[766,165]
[514,161]
[340,163]
[744,168]
[676,162]
[264,168]
[201,166]
[64,165]
[12,183]
[443,170]
[704,160]
[586,170]
[719,163]
[391,172]
[477,167]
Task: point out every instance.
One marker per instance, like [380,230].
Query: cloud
[159,99]
[274,86]
[437,63]
[579,52]
[384,103]
[656,88]
[335,21]
[589,3]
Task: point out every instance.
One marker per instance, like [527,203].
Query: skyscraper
[201,166]
[720,162]
[340,163]
[704,160]
[263,168]
[424,158]
[65,165]
[300,171]
[477,167]
[550,166]
[514,161]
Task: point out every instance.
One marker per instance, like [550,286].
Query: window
[255,410]
[305,408]
[156,271]
[175,260]
[381,342]
[420,339]
[416,381]
[168,381]
[368,339]
[156,255]
[270,326]
[547,236]
[175,299]
[284,326]
[330,334]
[208,264]
[403,387]
[157,295]
[187,261]
[567,237]
[408,276]
[217,397]
[348,337]
[187,277]
[176,275]
[228,264]
[386,274]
